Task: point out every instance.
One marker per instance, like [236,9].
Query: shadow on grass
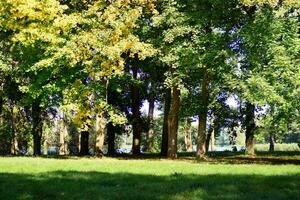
[107,186]
[274,158]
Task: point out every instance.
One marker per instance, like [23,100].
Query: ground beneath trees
[152,178]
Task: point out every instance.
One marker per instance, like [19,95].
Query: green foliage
[69,55]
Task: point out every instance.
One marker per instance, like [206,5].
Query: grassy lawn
[122,178]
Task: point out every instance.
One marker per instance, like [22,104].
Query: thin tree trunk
[79,143]
[207,142]
[63,132]
[100,133]
[66,133]
[272,142]
[210,140]
[200,154]
[250,129]
[151,124]
[111,136]
[36,127]
[61,138]
[14,143]
[173,123]
[188,135]
[136,115]
[1,110]
[84,143]
[164,142]
[46,145]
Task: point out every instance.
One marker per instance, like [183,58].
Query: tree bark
[100,133]
[151,124]
[1,110]
[84,143]
[250,129]
[200,154]
[63,132]
[164,142]
[272,142]
[173,123]
[14,142]
[74,144]
[37,127]
[111,136]
[210,139]
[188,135]
[136,115]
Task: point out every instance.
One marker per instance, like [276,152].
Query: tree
[267,58]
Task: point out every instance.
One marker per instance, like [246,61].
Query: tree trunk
[100,133]
[250,129]
[84,143]
[111,136]
[173,123]
[63,132]
[151,124]
[136,115]
[46,144]
[1,110]
[200,154]
[14,142]
[164,141]
[188,135]
[74,144]
[272,142]
[210,139]
[36,127]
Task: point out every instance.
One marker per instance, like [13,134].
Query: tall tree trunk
[73,146]
[250,129]
[188,135]
[173,123]
[84,143]
[272,142]
[100,133]
[46,144]
[37,127]
[164,141]
[14,142]
[101,122]
[111,136]
[1,110]
[136,115]
[110,128]
[63,133]
[210,139]
[200,154]
[151,124]
[61,138]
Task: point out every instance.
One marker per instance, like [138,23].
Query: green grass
[155,179]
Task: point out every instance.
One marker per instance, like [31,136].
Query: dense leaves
[92,65]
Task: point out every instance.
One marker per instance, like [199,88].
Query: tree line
[93,63]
